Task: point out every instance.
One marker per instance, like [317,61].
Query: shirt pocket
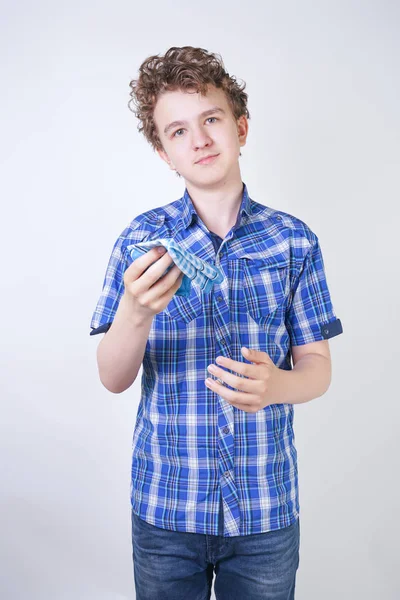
[266,287]
[185,309]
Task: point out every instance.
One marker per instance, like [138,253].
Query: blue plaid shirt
[200,464]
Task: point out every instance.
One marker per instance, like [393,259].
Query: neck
[218,207]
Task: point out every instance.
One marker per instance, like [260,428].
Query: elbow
[115,389]
[327,382]
[113,379]
[329,376]
[111,389]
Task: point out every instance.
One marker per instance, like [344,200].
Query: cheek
[231,140]
[179,155]
[231,146]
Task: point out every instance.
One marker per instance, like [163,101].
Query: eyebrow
[210,111]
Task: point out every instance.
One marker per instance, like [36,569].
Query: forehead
[187,104]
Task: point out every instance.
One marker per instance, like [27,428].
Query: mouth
[207,160]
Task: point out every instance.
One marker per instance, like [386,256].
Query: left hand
[257,389]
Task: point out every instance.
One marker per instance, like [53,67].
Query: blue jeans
[175,565]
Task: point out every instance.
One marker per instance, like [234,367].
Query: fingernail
[161,250]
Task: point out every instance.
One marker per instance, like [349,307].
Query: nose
[200,138]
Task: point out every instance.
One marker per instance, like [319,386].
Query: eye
[177,131]
[174,134]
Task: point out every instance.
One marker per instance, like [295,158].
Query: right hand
[147,296]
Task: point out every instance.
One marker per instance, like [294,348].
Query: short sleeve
[310,316]
[113,289]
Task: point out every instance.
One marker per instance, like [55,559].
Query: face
[192,126]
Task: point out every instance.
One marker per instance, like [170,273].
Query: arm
[120,352]
[147,292]
[264,383]
[311,375]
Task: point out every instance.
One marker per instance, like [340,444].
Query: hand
[257,389]
[145,288]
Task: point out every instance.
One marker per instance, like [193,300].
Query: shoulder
[291,231]
[146,225]
[284,221]
[153,219]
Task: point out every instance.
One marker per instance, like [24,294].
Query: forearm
[120,352]
[310,378]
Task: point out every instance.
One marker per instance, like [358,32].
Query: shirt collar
[188,211]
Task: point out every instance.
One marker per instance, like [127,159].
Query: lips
[205,158]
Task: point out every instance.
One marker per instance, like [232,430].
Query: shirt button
[219,298]
[225,429]
[226,474]
[326,330]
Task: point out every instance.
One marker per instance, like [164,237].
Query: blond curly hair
[184,68]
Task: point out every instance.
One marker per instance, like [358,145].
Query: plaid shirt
[200,464]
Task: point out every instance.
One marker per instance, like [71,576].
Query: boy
[214,470]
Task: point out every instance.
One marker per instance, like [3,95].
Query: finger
[251,371]
[146,271]
[165,286]
[145,260]
[151,255]
[236,398]
[244,384]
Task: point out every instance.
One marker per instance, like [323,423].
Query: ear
[242,129]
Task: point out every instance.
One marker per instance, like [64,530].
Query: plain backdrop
[323,145]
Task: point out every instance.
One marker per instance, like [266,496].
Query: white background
[323,144]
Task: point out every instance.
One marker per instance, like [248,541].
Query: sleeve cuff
[101,329]
[329,330]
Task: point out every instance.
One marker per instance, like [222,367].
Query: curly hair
[184,68]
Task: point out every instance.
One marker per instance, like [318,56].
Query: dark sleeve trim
[329,330]
[101,329]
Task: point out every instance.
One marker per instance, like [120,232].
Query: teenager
[214,467]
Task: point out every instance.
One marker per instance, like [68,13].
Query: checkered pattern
[191,448]
[196,270]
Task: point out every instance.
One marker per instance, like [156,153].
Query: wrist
[131,312]
[285,386]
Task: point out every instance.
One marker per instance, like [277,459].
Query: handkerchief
[195,269]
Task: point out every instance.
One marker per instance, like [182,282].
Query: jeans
[175,565]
